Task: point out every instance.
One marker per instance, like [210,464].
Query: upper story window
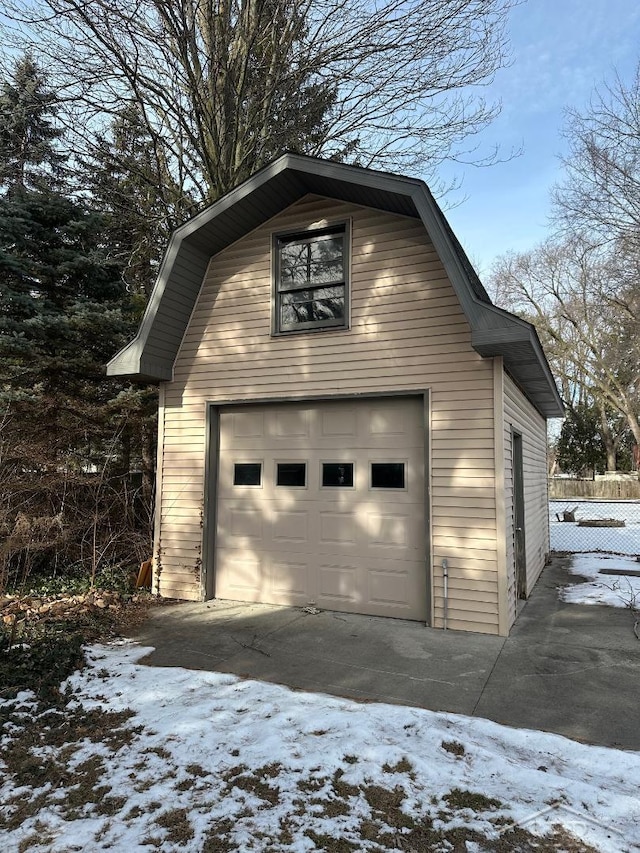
[311,280]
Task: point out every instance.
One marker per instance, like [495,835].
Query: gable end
[151,355]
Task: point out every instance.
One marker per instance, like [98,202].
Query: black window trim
[342,226]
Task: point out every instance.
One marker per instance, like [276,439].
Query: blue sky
[561,50]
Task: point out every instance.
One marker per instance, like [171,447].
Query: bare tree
[581,287]
[600,196]
[568,289]
[598,204]
[226,85]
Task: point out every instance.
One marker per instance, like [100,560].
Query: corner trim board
[426,409]
[210,500]
[157,510]
[500,499]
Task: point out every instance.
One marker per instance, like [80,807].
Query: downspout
[445,577]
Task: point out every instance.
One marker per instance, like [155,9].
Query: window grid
[311,280]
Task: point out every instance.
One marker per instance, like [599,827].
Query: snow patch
[228,728]
[601,588]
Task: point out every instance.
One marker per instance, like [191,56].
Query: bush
[75,534]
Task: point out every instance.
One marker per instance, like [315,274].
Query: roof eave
[131,363]
[524,359]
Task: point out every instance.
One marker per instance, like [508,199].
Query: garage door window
[388,475]
[311,280]
[247,474]
[337,475]
[291,474]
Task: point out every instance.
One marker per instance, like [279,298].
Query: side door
[519,516]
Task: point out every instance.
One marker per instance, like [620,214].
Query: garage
[284,319]
[323,503]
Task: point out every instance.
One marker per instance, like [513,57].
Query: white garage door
[323,503]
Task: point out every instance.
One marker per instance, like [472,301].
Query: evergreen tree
[28,158]
[131,185]
[140,205]
[580,449]
[594,438]
[64,308]
[61,299]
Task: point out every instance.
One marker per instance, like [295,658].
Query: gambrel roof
[151,355]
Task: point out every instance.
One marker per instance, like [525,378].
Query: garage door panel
[243,426]
[240,575]
[271,578]
[389,588]
[386,420]
[398,534]
[346,546]
[337,528]
[338,421]
[393,593]
[289,580]
[398,420]
[290,526]
[338,586]
[397,585]
[239,525]
[389,530]
[373,587]
[291,423]
[245,524]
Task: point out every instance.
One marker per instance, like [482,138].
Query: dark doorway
[518,517]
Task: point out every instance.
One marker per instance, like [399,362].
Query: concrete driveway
[566,668]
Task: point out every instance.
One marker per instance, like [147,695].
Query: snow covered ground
[216,763]
[614,590]
[567,536]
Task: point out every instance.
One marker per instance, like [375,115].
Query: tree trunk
[608,439]
[148,453]
[632,420]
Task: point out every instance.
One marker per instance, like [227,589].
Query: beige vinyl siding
[407,333]
[521,416]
